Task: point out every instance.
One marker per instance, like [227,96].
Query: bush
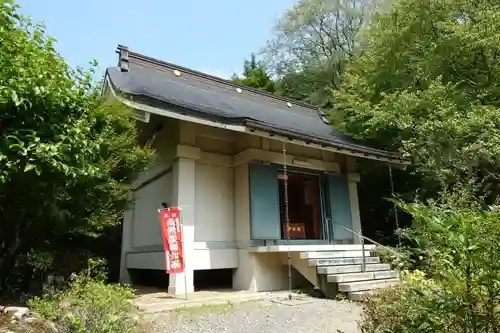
[399,258]
[460,291]
[411,255]
[89,304]
[413,307]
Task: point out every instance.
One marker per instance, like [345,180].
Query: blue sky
[213,36]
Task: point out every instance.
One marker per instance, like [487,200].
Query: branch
[326,50]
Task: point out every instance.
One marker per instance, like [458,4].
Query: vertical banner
[171,230]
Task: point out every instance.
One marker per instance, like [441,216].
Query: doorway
[303,205]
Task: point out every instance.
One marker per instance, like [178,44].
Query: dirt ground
[270,315]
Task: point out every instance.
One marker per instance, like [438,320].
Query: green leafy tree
[427,84]
[317,30]
[312,44]
[312,84]
[66,157]
[255,76]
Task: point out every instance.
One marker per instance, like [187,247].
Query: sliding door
[340,207]
[264,202]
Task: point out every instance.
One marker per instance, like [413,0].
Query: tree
[313,43]
[311,84]
[255,76]
[428,84]
[66,157]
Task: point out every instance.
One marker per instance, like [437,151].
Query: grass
[219,308]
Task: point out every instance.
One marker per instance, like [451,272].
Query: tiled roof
[209,97]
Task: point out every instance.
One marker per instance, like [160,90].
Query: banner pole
[183,255]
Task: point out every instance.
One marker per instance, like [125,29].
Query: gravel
[312,315]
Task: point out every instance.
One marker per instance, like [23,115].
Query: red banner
[172,239]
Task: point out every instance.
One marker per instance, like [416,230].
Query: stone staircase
[340,270]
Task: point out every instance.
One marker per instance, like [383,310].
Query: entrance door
[303,206]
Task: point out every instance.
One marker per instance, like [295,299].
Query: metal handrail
[368,239]
[363,243]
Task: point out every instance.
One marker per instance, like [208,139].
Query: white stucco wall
[208,209]
[141,225]
[214,237]
[164,145]
[151,193]
[214,206]
[146,225]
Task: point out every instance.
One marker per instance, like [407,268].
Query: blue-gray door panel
[340,207]
[264,202]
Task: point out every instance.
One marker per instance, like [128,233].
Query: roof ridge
[125,52]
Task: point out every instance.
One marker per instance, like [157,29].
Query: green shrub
[89,304]
[409,256]
[416,306]
[398,258]
[460,289]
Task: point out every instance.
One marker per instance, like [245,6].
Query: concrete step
[333,254]
[352,268]
[342,261]
[363,276]
[367,285]
[310,248]
[337,247]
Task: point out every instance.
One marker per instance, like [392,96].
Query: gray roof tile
[211,97]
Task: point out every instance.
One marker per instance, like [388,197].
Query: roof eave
[313,142]
[256,128]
